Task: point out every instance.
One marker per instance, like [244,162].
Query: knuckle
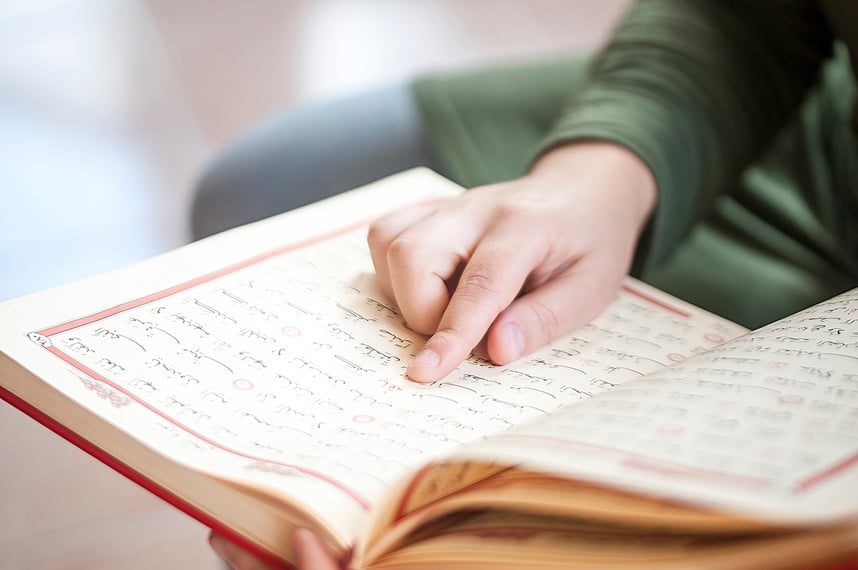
[477,283]
[524,208]
[507,209]
[422,320]
[478,286]
[402,251]
[378,235]
[514,224]
[544,320]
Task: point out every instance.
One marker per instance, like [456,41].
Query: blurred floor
[108,111]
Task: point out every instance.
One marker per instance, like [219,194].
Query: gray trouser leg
[308,153]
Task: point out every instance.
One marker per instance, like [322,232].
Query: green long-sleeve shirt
[718,97]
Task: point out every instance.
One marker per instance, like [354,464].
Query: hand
[518,263]
[309,552]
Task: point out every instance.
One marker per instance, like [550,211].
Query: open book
[255,380]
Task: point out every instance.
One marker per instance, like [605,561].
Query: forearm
[696,89]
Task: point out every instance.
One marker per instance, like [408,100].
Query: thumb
[566,302]
[310,553]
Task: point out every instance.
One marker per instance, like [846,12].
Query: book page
[765,425]
[107,344]
[507,540]
[286,368]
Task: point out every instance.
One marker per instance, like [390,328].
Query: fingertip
[307,548]
[218,545]
[303,539]
[424,367]
[310,553]
[438,357]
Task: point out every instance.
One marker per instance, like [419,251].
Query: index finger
[490,281]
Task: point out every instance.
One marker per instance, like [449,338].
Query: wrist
[610,167]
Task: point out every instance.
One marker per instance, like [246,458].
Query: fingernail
[218,546]
[307,548]
[302,539]
[302,536]
[426,359]
[514,340]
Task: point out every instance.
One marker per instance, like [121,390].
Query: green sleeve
[696,89]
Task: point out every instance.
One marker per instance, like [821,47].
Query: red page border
[132,474]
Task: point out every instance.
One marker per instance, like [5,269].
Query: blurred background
[109,109]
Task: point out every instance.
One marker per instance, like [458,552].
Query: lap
[786,237]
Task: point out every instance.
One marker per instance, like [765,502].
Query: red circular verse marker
[363,419]
[242,384]
[671,429]
[290,331]
[675,357]
[790,399]
[713,337]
